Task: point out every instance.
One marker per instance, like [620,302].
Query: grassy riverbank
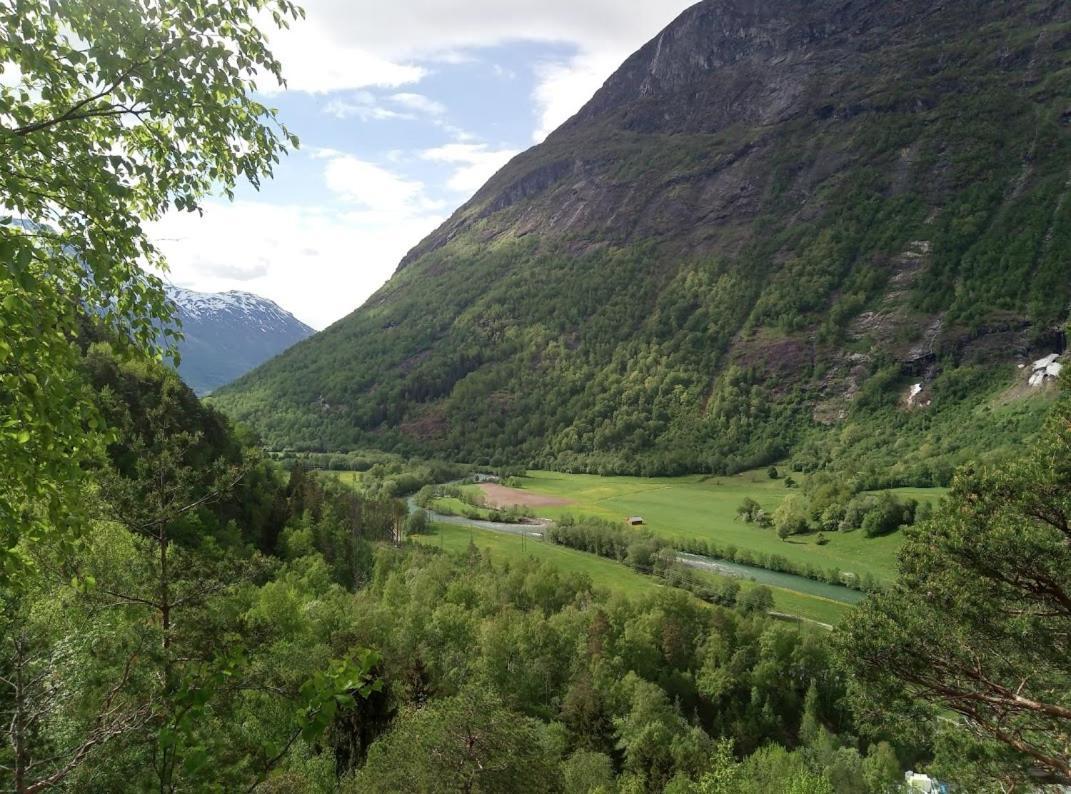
[704,508]
[606,573]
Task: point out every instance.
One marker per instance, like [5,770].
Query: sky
[404,109]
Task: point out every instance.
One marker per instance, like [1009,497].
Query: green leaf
[23,257]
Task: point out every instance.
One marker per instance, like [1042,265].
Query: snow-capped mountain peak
[197,304]
[229,333]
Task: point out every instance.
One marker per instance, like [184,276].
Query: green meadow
[348,477]
[449,505]
[704,507]
[606,573]
[603,572]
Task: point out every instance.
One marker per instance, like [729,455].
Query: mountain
[825,229]
[229,333]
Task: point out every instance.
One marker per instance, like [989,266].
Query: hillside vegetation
[766,228]
[179,612]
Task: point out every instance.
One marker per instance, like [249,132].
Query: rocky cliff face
[734,82]
[768,217]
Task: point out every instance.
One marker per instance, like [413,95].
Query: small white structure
[916,781]
[635,520]
[1045,369]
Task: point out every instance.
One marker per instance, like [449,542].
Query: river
[788,581]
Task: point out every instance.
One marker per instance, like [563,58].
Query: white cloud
[426,28]
[455,132]
[316,62]
[345,44]
[474,163]
[364,106]
[10,74]
[373,187]
[419,103]
[564,86]
[318,263]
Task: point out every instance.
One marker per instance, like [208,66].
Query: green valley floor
[704,508]
[606,573]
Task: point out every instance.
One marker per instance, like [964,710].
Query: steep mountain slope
[826,226]
[229,333]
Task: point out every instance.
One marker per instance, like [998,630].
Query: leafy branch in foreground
[110,114]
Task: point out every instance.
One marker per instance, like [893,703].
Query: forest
[182,611]
[224,623]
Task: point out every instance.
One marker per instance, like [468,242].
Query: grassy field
[449,505]
[705,508]
[452,506]
[793,602]
[347,477]
[606,573]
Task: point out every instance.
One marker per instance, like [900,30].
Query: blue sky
[403,110]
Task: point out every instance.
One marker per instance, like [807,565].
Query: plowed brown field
[500,496]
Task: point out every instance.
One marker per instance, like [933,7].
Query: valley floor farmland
[704,508]
[503,546]
[605,573]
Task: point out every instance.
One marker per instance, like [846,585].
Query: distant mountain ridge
[226,334]
[773,228]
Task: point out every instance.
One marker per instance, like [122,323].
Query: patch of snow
[916,390]
[267,314]
[1045,369]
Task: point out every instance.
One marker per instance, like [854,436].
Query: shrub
[790,517]
[748,510]
[758,599]
[417,523]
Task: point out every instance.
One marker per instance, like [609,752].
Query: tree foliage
[468,742]
[111,113]
[139,658]
[978,621]
[211,632]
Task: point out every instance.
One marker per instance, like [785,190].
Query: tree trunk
[167,764]
[19,721]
